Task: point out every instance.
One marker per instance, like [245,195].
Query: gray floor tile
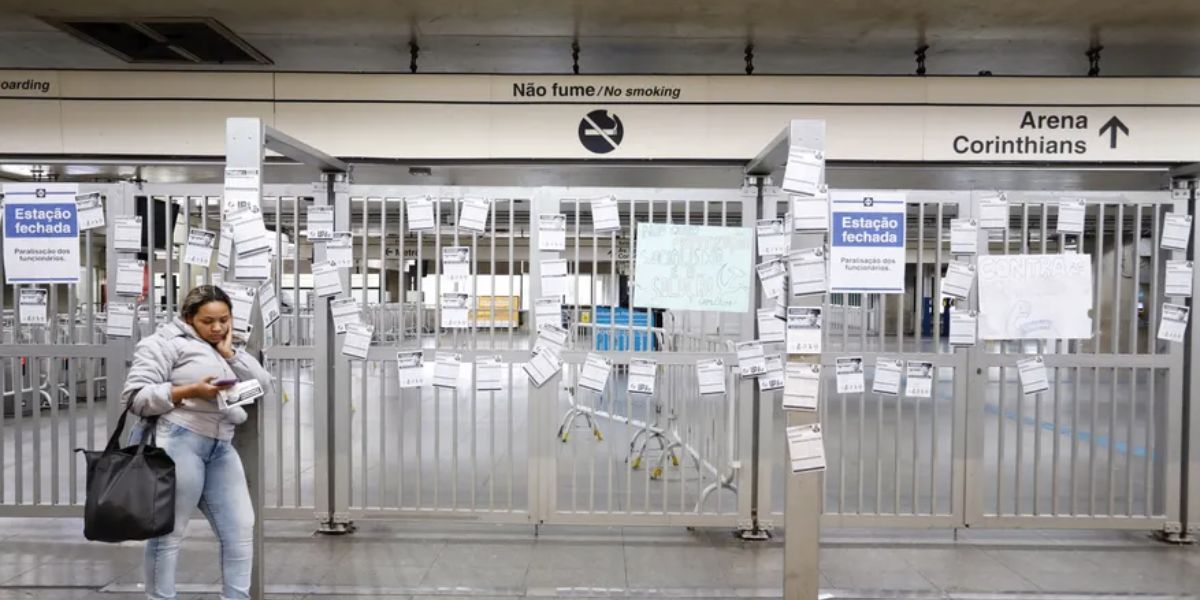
[383,576]
[574,555]
[71,574]
[45,594]
[599,577]
[871,568]
[1063,571]
[871,579]
[14,569]
[965,569]
[474,576]
[398,554]
[355,597]
[491,555]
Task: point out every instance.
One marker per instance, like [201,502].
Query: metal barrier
[55,382]
[979,453]
[1101,449]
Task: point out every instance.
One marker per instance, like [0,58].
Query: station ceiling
[1013,37]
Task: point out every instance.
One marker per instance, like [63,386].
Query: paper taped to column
[1035,296]
[41,233]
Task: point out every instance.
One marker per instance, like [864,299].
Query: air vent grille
[201,41]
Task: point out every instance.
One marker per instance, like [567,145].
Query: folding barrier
[1101,448]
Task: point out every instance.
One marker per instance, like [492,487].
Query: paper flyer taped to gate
[691,267]
[1035,296]
[866,242]
[41,233]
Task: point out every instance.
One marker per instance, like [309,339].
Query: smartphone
[224,382]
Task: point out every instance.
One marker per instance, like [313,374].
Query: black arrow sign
[1111,127]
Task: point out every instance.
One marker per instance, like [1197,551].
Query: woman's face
[212,321]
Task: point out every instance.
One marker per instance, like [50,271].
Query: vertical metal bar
[1152,349]
[919,280]
[879,399]
[296,364]
[1054,480]
[72,388]
[936,301]
[1134,348]
[151,237]
[474,346]
[204,222]
[575,329]
[381,299]
[89,338]
[1096,370]
[364,395]
[512,234]
[841,496]
[52,389]
[188,282]
[492,286]
[169,245]
[402,287]
[1119,243]
[34,364]
[918,333]
[420,420]
[1020,395]
[511,455]
[1037,399]
[20,400]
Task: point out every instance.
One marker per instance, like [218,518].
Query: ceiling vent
[197,40]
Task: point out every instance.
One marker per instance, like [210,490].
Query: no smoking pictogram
[601,131]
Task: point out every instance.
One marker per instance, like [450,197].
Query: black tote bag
[130,491]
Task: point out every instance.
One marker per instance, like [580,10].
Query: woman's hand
[226,345]
[205,389]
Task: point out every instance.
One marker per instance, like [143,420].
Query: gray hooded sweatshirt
[175,355]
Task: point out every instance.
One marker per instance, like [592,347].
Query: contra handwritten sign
[689,267]
[1035,296]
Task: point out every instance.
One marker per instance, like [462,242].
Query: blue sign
[39,220]
[866,245]
[875,229]
[41,233]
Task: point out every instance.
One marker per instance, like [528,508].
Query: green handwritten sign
[689,267]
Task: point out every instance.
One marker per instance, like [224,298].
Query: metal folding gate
[1100,449]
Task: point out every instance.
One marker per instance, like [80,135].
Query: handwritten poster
[1035,296]
[691,267]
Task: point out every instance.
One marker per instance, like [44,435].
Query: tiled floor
[48,559]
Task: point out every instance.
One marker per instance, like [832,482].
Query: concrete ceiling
[1035,37]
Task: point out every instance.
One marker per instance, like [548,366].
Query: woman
[178,375]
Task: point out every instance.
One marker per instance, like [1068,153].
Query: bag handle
[114,441]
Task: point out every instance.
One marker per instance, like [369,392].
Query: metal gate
[55,382]
[1100,449]
[527,454]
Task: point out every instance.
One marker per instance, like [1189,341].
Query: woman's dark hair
[201,295]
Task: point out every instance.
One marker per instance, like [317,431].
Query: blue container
[618,339]
[927,319]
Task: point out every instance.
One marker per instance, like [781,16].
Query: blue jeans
[208,475]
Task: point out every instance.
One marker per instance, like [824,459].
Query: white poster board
[41,234]
[691,267]
[866,242]
[1035,296]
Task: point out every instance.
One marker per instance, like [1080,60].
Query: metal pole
[1189,484]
